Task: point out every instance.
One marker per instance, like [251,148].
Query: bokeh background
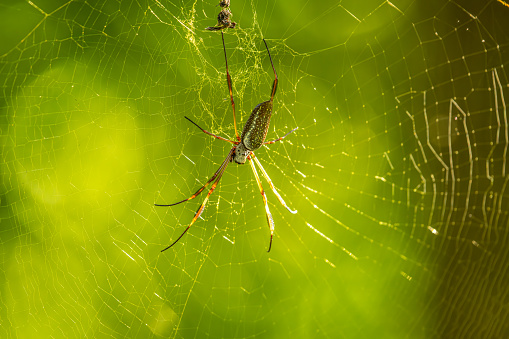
[399,170]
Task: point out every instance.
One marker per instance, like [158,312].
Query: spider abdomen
[256,128]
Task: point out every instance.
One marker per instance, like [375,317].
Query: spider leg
[218,172]
[266,176]
[202,206]
[279,139]
[212,134]
[214,28]
[229,80]
[270,220]
[274,84]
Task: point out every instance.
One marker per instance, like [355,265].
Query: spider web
[398,170]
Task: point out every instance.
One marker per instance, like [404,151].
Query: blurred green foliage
[93,133]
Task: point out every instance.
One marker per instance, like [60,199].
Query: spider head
[240,154]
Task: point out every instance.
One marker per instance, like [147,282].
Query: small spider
[252,137]
[223,20]
[224,3]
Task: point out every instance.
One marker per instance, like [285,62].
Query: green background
[398,170]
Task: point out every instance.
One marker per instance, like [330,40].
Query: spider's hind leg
[211,134]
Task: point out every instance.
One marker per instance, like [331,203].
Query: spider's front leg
[270,220]
[219,173]
[266,176]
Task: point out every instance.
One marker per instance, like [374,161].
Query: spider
[224,3]
[252,137]
[223,20]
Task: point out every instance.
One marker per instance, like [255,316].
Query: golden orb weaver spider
[252,137]
[223,18]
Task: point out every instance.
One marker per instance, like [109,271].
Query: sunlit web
[398,170]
